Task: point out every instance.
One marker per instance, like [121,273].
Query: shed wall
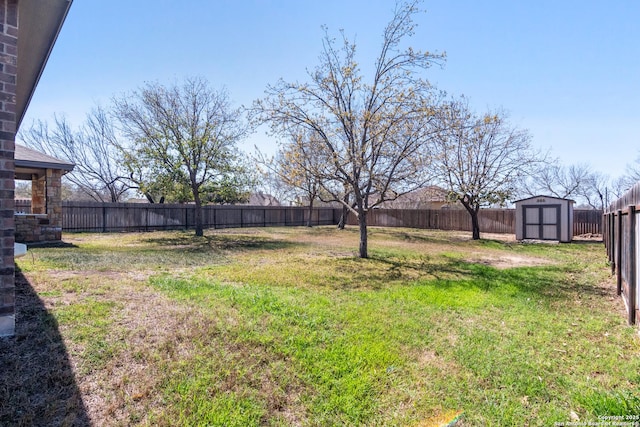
[566,216]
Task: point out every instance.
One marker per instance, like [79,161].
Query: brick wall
[8,73]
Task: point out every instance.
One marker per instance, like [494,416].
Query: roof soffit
[40,22]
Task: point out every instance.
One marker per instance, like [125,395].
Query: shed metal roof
[542,196]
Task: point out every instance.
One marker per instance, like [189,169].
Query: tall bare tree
[371,134]
[577,181]
[631,175]
[296,165]
[269,182]
[596,191]
[481,158]
[555,179]
[99,171]
[188,132]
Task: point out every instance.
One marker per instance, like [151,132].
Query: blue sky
[568,71]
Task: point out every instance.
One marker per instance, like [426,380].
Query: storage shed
[544,218]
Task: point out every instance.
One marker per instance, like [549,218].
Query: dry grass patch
[286,326]
[509,261]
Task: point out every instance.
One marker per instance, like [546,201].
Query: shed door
[542,222]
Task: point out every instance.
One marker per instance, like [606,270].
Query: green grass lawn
[286,326]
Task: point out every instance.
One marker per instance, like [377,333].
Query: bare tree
[371,135]
[99,171]
[296,165]
[618,188]
[631,175]
[186,132]
[555,179]
[480,159]
[578,182]
[270,182]
[596,190]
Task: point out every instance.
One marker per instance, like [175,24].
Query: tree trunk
[343,218]
[473,210]
[309,223]
[345,211]
[198,213]
[362,222]
[475,223]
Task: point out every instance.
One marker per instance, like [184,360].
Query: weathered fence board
[587,222]
[104,217]
[491,220]
[621,235]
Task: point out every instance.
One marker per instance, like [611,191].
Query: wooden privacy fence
[106,217]
[23,206]
[491,220]
[587,221]
[621,236]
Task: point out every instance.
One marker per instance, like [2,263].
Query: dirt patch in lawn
[510,261]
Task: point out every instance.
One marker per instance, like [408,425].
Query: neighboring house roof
[420,198]
[432,193]
[262,199]
[40,23]
[30,162]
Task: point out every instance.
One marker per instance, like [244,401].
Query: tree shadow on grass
[550,282]
[37,385]
[219,242]
[52,244]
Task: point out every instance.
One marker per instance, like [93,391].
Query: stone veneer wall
[54,197]
[32,228]
[8,74]
[38,194]
[45,221]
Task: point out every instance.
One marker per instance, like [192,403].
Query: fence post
[104,218]
[632,264]
[605,235]
[612,241]
[618,263]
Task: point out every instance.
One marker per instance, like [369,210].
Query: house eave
[43,165]
[29,162]
[40,22]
